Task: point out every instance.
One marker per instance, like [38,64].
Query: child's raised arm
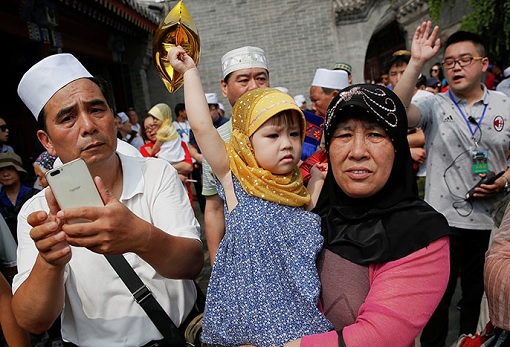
[208,139]
[318,175]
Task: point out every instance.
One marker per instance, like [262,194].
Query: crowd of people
[343,224]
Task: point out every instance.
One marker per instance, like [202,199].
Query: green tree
[489,18]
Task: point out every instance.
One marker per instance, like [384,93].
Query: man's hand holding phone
[106,229]
[48,235]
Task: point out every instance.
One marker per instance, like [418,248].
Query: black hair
[422,81]
[398,60]
[178,108]
[105,90]
[462,36]
[227,77]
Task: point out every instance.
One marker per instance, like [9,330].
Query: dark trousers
[467,257]
[196,174]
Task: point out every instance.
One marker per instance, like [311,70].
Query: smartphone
[73,186]
[489,178]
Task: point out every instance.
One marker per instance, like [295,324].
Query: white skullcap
[243,58]
[506,73]
[300,99]
[282,89]
[220,105]
[332,79]
[211,98]
[48,76]
[123,117]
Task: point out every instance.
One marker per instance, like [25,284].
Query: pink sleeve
[329,339]
[497,275]
[403,295]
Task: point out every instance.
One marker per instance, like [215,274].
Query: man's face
[242,81]
[396,72]
[385,79]
[4,131]
[183,115]
[466,78]
[133,116]
[79,124]
[214,111]
[320,100]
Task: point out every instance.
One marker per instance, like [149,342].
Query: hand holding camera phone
[489,178]
[73,186]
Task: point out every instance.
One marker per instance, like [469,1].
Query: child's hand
[319,171]
[180,60]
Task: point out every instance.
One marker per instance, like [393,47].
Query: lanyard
[466,119]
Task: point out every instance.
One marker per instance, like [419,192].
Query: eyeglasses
[464,61]
[150,127]
[3,127]
[434,70]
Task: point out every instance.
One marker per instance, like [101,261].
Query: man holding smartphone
[146,216]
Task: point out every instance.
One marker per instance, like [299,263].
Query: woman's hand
[180,60]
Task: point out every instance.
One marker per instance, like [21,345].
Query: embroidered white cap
[48,76]
[220,105]
[299,99]
[332,79]
[123,117]
[243,58]
[212,98]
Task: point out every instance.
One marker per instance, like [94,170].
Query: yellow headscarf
[249,113]
[166,131]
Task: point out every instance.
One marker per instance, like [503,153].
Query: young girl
[264,286]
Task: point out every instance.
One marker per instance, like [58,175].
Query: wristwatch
[507,184]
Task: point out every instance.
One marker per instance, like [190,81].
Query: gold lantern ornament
[177,29]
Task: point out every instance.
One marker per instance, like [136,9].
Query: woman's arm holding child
[208,139]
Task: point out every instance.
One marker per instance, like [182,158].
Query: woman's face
[9,176]
[361,157]
[151,126]
[434,71]
[41,177]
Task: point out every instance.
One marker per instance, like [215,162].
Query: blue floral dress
[264,286]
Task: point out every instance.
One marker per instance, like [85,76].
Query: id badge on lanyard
[479,160]
[479,156]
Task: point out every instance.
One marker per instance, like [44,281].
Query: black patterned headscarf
[392,223]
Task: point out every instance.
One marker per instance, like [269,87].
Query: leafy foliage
[490,19]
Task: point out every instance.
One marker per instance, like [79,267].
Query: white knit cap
[48,76]
[243,58]
[332,79]
[299,99]
[123,117]
[212,98]
[220,105]
[506,73]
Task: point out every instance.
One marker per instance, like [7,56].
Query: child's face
[277,147]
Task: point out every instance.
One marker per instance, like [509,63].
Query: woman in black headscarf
[385,261]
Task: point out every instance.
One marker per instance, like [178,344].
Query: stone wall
[298,37]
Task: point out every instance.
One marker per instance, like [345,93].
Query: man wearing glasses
[4,136]
[461,125]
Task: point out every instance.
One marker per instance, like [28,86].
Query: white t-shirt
[99,310]
[184,129]
[171,151]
